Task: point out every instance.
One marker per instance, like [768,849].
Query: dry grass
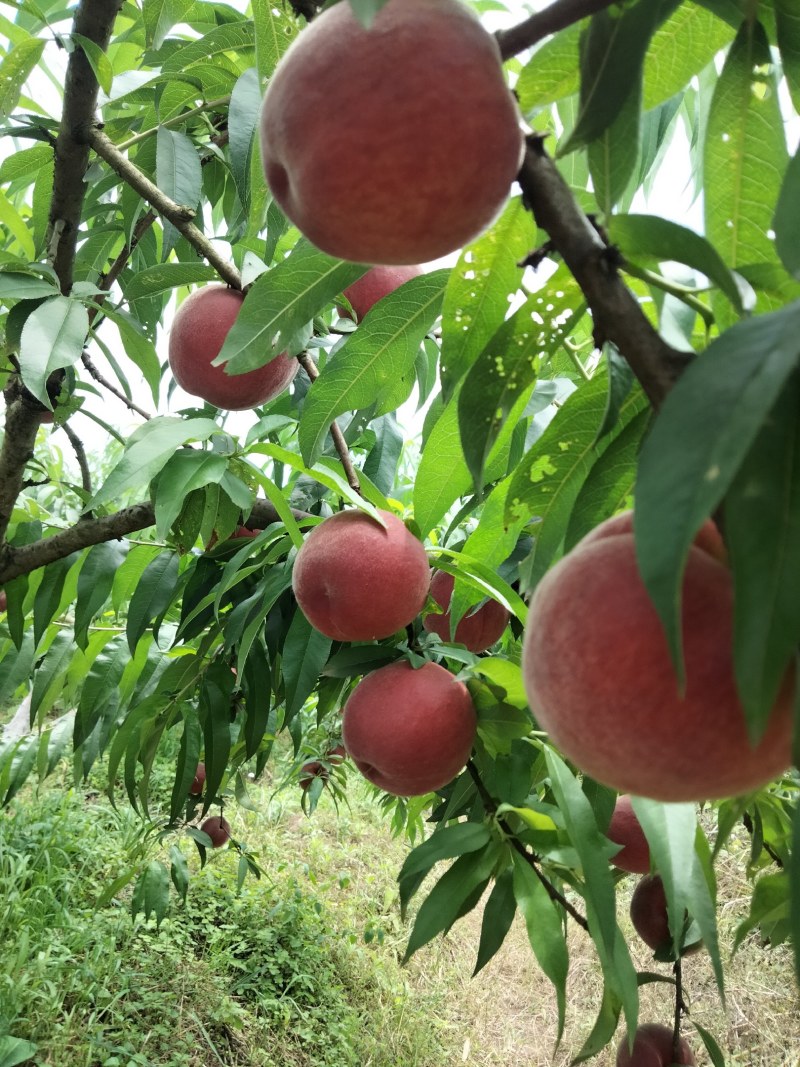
[507,1014]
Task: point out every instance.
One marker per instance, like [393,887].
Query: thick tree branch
[23,414]
[616,313]
[557,16]
[179,215]
[94,19]
[308,365]
[27,558]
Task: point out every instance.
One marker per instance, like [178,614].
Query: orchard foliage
[583,349]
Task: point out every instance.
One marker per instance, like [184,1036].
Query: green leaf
[164,277]
[215,717]
[243,116]
[745,152]
[698,442]
[15,67]
[305,653]
[151,892]
[236,37]
[680,48]
[712,1048]
[48,679]
[476,297]
[762,532]
[275,29]
[49,595]
[187,470]
[498,915]
[152,595]
[613,42]
[280,303]
[770,903]
[147,452]
[443,905]
[366,369]
[178,174]
[445,843]
[787,218]
[552,72]
[159,16]
[100,692]
[98,61]
[613,155]
[53,337]
[14,285]
[545,932]
[546,483]
[186,768]
[648,236]
[443,475]
[13,1051]
[794,900]
[787,21]
[179,872]
[94,583]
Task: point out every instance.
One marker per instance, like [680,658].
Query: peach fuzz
[600,680]
[409,731]
[356,580]
[201,324]
[395,144]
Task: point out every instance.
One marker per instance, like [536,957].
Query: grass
[303,967]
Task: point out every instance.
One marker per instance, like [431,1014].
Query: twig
[86,360]
[179,215]
[176,120]
[615,311]
[680,1007]
[308,365]
[557,16]
[26,558]
[554,894]
[80,455]
[680,292]
[94,19]
[106,280]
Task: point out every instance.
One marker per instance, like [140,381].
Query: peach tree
[621,329]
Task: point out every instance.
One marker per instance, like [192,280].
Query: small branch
[107,280]
[554,894]
[615,311]
[308,365]
[557,16]
[176,120]
[680,292]
[80,455]
[179,215]
[94,19]
[680,1008]
[27,558]
[86,360]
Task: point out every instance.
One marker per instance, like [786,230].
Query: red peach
[477,631]
[218,829]
[199,780]
[653,1047]
[375,285]
[626,830]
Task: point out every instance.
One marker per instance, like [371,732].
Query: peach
[311,770]
[409,731]
[626,830]
[199,329]
[600,680]
[395,144]
[477,631]
[199,780]
[649,912]
[375,285]
[653,1047]
[218,829]
[358,581]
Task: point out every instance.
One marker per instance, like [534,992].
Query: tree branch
[93,19]
[617,315]
[23,413]
[554,894]
[179,215]
[308,365]
[557,16]
[27,558]
[80,455]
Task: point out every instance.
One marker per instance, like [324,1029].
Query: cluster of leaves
[529,439]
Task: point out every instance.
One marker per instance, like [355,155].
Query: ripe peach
[409,731]
[199,329]
[600,680]
[311,770]
[653,1047]
[375,285]
[3,600]
[396,144]
[356,581]
[626,830]
[649,912]
[199,780]
[218,829]
[476,631]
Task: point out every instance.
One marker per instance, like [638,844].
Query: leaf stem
[176,120]
[340,444]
